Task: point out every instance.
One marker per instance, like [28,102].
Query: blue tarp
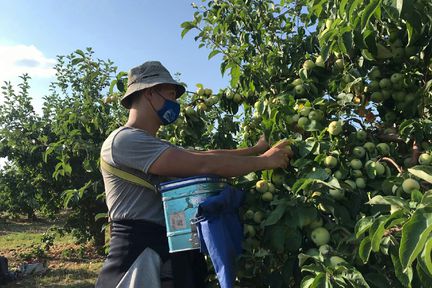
[221,232]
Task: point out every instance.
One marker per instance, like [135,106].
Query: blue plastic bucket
[181,199]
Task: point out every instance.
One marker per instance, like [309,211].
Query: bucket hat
[147,75]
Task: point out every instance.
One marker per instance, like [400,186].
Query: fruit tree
[349,83]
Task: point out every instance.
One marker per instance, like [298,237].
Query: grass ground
[69,264]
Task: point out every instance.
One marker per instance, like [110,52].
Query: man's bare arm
[183,163]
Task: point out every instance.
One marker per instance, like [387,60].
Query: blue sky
[129,32]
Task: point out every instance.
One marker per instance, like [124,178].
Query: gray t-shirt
[133,150]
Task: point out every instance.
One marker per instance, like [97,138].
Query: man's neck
[148,126]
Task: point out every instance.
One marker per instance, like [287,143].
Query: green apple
[308,64]
[410,97]
[267,197]
[356,173]
[202,106]
[208,91]
[258,217]
[337,194]
[375,73]
[212,100]
[303,121]
[320,236]
[330,161]
[249,214]
[338,174]
[383,149]
[271,187]
[409,185]
[297,81]
[189,111]
[386,94]
[396,77]
[250,230]
[399,96]
[229,95]
[237,98]
[200,91]
[305,110]
[360,183]
[369,146]
[379,168]
[262,186]
[299,89]
[425,159]
[385,83]
[278,178]
[335,128]
[361,135]
[319,61]
[356,164]
[373,86]
[377,97]
[316,115]
[359,152]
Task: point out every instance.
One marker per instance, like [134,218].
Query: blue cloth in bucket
[221,232]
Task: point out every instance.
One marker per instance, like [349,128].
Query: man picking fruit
[138,254]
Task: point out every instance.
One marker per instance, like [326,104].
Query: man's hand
[262,145]
[279,155]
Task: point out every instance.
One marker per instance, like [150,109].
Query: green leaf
[352,9]
[276,214]
[69,194]
[321,281]
[318,173]
[101,216]
[426,256]
[213,53]
[365,249]
[422,171]
[274,237]
[415,232]
[424,277]
[399,6]
[235,75]
[389,200]
[368,12]
[405,277]
[120,86]
[416,196]
[80,52]
[363,225]
[187,26]
[427,198]
[300,184]
[307,281]
[376,232]
[77,60]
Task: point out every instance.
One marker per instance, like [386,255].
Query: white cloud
[16,60]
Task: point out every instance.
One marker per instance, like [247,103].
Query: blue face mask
[169,112]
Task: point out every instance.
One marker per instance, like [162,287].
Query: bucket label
[178,220]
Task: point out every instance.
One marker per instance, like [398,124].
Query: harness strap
[126,175]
